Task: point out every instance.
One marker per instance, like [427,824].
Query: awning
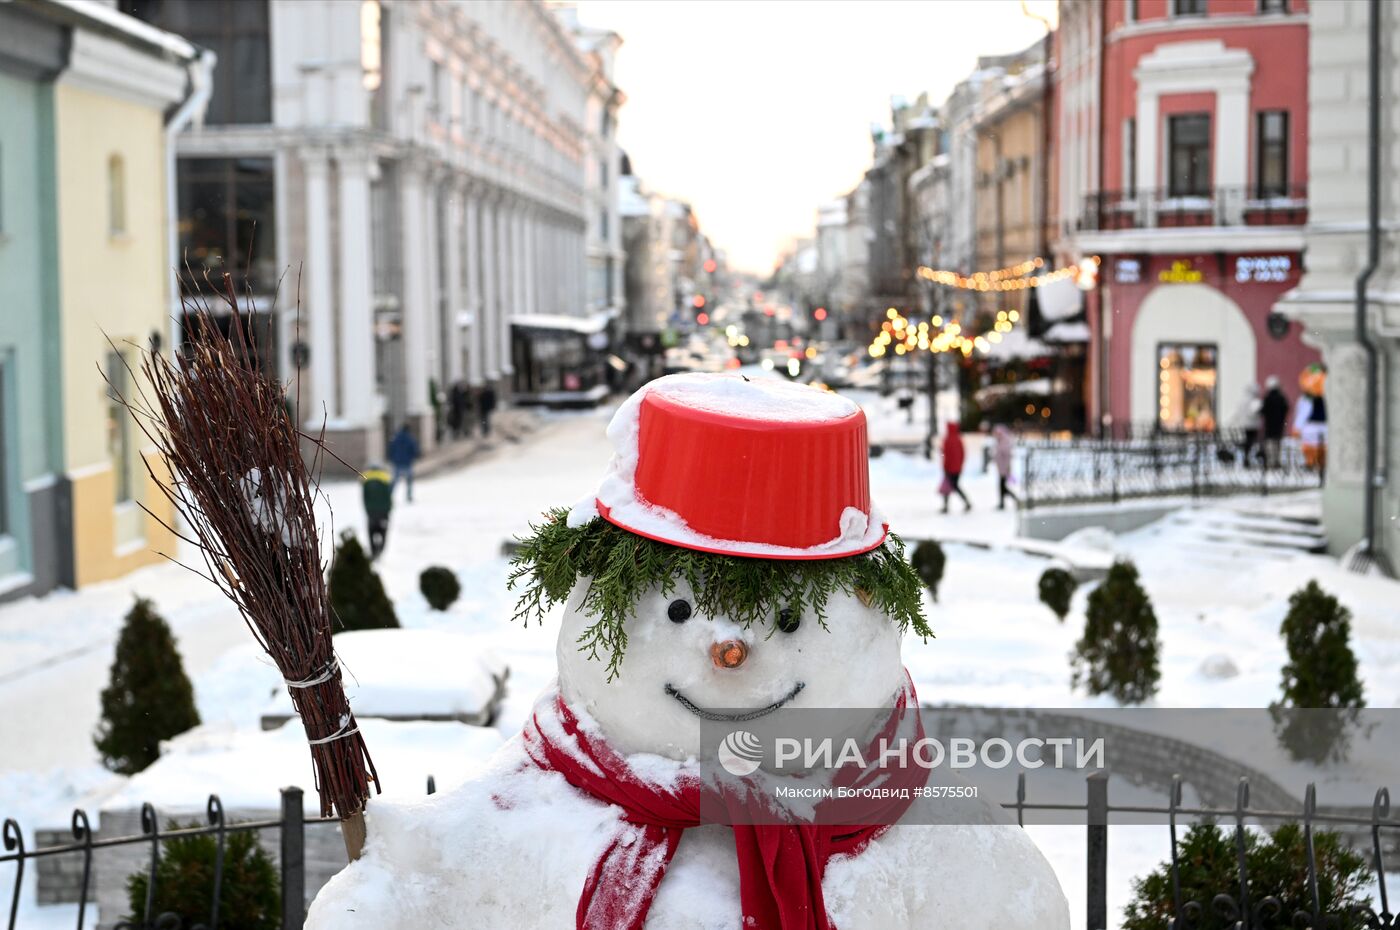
[1064,333]
[587,325]
[1060,300]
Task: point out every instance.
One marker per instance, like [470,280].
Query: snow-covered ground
[996,644]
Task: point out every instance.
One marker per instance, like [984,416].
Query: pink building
[1182,159]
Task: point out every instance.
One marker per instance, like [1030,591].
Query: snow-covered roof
[128,27]
[1077,331]
[247,768]
[574,324]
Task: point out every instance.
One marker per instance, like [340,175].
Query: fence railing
[1239,907]
[1156,464]
[1163,208]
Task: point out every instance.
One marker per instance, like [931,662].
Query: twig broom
[239,481]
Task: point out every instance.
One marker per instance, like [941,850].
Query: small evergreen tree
[439,586]
[1057,590]
[1278,867]
[1321,673]
[250,891]
[929,561]
[148,697]
[357,595]
[1118,653]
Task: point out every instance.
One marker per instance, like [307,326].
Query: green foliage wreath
[620,567]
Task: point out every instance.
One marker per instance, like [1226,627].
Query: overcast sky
[756,112]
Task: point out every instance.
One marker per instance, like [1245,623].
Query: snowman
[729,566]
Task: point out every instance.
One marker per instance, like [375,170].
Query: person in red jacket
[953,456]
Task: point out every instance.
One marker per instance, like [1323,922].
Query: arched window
[116,196]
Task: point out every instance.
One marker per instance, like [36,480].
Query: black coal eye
[789,620]
[679,611]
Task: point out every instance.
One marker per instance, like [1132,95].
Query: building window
[236,31]
[116,196]
[1188,155]
[1130,157]
[1186,380]
[1188,7]
[1130,11]
[1273,6]
[119,426]
[227,219]
[1271,172]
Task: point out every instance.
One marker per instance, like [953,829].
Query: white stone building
[418,170]
[1337,248]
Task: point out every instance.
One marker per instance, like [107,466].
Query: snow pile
[247,768]
[407,673]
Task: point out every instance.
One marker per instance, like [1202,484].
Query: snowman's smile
[740,717]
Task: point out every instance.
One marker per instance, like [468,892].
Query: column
[489,309]
[472,243]
[452,256]
[531,279]
[357,389]
[510,293]
[323,404]
[432,276]
[415,317]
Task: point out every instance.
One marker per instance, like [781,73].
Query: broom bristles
[242,486]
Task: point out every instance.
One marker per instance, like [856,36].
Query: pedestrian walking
[1274,412]
[1247,418]
[954,454]
[1310,418]
[378,494]
[485,406]
[403,452]
[1004,444]
[457,401]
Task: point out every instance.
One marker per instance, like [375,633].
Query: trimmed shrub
[1057,590]
[1321,672]
[439,586]
[929,561]
[357,595]
[1278,867]
[148,697]
[250,892]
[1118,653]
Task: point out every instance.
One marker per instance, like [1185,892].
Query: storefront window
[1186,381]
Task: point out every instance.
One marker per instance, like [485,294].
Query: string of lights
[902,336]
[1010,278]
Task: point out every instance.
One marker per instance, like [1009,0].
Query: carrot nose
[729,654]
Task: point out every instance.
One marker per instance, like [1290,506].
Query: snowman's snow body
[512,848]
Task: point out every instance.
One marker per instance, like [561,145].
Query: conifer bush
[1057,590]
[250,889]
[929,561]
[1321,672]
[148,697]
[1278,867]
[439,586]
[1118,653]
[357,595]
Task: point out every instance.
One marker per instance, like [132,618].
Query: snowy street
[1219,605]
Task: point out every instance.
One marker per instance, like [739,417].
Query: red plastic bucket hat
[751,467]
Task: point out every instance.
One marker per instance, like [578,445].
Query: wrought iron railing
[1239,909]
[1162,208]
[291,824]
[1159,464]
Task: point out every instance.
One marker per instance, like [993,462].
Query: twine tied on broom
[246,494]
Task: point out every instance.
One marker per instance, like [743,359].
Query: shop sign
[1252,268]
[1181,272]
[1127,271]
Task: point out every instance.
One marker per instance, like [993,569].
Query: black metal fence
[1376,830]
[1163,208]
[1158,464]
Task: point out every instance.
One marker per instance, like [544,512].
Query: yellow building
[114,279]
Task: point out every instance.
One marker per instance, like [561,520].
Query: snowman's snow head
[730,563]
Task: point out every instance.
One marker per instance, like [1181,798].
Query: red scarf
[780,866]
